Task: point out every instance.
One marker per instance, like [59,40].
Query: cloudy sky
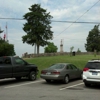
[72,34]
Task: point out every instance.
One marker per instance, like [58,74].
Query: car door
[5,67]
[20,67]
[76,71]
[70,71]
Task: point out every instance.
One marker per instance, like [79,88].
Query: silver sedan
[61,71]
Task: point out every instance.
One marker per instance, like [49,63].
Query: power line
[12,18]
[78,19]
[54,21]
[77,22]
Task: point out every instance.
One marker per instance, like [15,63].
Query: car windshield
[93,65]
[57,66]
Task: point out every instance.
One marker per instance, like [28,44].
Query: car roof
[8,56]
[94,60]
[63,63]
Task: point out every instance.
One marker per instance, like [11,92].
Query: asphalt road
[11,89]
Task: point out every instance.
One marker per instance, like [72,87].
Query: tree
[6,49]
[51,48]
[93,40]
[37,27]
[1,40]
[78,50]
[1,31]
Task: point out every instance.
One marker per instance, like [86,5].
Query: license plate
[48,73]
[94,73]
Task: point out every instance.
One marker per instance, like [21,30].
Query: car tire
[66,79]
[32,76]
[87,84]
[18,78]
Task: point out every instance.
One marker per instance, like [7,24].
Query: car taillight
[56,73]
[85,69]
[43,72]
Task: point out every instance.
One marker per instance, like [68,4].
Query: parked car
[61,71]
[91,72]
[15,67]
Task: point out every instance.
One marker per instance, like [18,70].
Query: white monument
[61,46]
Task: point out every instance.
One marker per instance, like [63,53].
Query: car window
[73,67]
[19,61]
[56,66]
[69,67]
[6,60]
[93,65]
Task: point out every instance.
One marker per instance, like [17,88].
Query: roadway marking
[24,84]
[71,86]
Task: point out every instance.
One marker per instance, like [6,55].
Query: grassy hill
[78,60]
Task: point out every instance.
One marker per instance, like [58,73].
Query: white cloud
[45,1]
[60,13]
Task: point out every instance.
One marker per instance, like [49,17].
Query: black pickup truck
[15,67]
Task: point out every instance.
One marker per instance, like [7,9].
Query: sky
[71,34]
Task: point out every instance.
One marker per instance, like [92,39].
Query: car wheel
[87,84]
[48,81]
[18,78]
[66,79]
[32,76]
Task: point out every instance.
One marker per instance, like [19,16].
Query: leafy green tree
[37,27]
[1,31]
[93,40]
[51,48]
[6,49]
[1,40]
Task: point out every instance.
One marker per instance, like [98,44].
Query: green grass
[78,60]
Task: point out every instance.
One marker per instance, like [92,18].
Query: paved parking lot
[40,90]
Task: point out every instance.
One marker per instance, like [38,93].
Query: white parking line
[71,86]
[24,84]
